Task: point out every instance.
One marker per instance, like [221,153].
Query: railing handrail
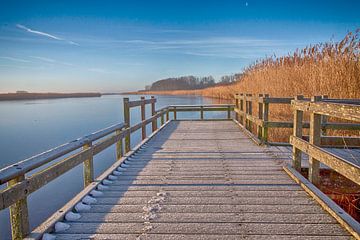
[345,111]
[14,170]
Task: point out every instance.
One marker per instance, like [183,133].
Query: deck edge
[248,133]
[344,219]
[49,223]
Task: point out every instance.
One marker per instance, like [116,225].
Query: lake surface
[33,126]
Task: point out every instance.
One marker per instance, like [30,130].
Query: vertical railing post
[314,138]
[250,112]
[127,124]
[246,111]
[242,109]
[228,112]
[162,117]
[237,106]
[19,215]
[202,112]
[260,116]
[119,146]
[143,127]
[167,114]
[324,119]
[88,167]
[297,132]
[175,117]
[265,118]
[154,121]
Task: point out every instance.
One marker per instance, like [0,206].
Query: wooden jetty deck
[204,180]
[198,179]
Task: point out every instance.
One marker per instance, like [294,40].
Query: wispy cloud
[48,35]
[52,61]
[14,59]
[44,59]
[99,70]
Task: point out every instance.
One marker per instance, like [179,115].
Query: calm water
[31,127]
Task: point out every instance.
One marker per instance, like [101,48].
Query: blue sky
[112,46]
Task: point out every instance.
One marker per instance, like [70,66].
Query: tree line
[191,82]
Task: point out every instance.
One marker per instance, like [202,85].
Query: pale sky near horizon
[114,46]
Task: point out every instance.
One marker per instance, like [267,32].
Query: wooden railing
[318,108]
[257,125]
[228,108]
[82,150]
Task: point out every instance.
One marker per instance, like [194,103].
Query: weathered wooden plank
[223,236]
[211,208]
[210,228]
[208,218]
[349,112]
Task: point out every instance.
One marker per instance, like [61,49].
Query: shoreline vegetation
[22,95]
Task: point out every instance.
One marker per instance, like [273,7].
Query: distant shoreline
[32,96]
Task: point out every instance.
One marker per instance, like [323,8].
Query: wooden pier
[198,179]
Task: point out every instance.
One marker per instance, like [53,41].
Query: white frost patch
[48,236]
[80,207]
[102,187]
[112,177]
[107,182]
[96,193]
[124,165]
[117,173]
[89,200]
[71,216]
[60,227]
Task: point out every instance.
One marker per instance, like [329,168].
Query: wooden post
[315,137]
[237,106]
[175,117]
[127,124]
[154,122]
[260,116]
[119,146]
[19,215]
[324,119]
[88,167]
[143,128]
[202,112]
[162,117]
[229,112]
[242,109]
[250,113]
[297,132]
[265,118]
[246,112]
[167,114]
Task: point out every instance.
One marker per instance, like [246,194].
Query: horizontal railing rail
[228,108]
[244,115]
